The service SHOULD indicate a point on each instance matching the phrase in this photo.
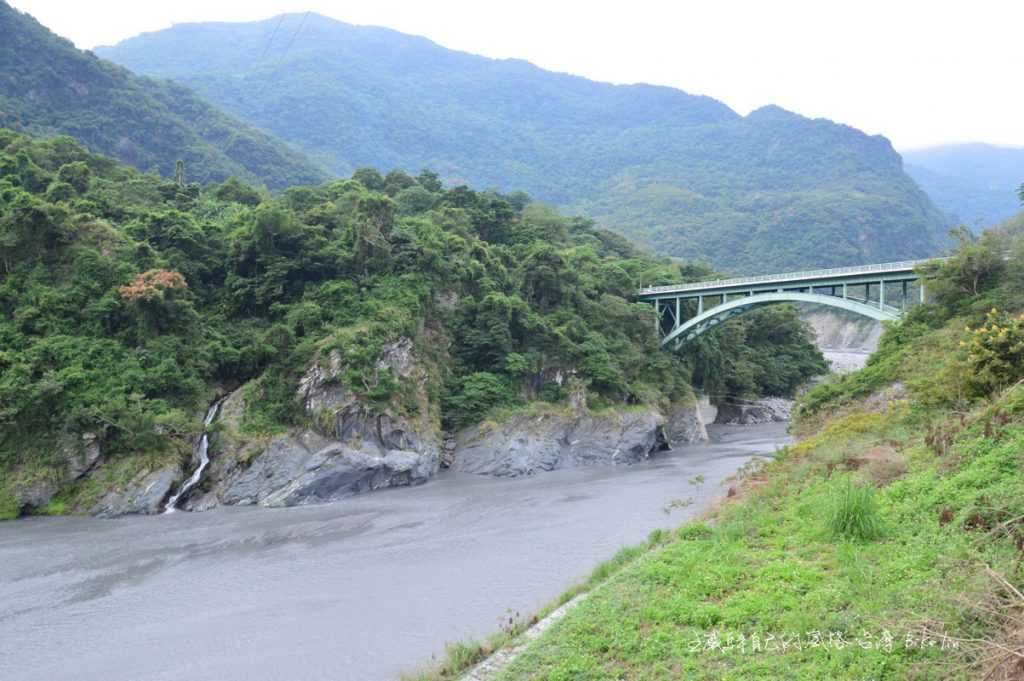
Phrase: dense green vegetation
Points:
(129, 301)
(48, 87)
(681, 174)
(885, 544)
(764, 352)
(976, 182)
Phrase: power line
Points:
(234, 135)
(296, 34)
(266, 48)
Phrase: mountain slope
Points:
(975, 182)
(681, 173)
(48, 87)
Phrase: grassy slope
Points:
(949, 493)
(771, 566)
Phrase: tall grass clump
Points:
(854, 513)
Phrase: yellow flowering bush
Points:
(995, 351)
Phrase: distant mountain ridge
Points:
(975, 182)
(683, 174)
(49, 87)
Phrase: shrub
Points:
(477, 394)
(9, 506)
(855, 513)
(995, 352)
(693, 531)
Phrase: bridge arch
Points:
(716, 315)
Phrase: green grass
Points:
(9, 506)
(790, 560)
(855, 513)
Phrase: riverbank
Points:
(884, 545)
(363, 590)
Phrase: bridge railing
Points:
(880, 268)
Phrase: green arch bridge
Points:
(882, 292)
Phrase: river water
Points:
(365, 588)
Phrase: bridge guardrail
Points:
(789, 276)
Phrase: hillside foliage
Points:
(130, 301)
(682, 174)
(48, 87)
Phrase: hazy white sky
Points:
(920, 72)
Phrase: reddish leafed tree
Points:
(151, 285)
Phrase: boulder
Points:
(685, 425)
(37, 493)
(145, 494)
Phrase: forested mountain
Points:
(683, 174)
(48, 87)
(127, 302)
(977, 183)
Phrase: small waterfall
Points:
(202, 451)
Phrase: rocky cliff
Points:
(534, 442)
(846, 340)
(765, 410)
(349, 446)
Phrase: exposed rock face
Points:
(304, 467)
(81, 453)
(353, 448)
(685, 425)
(765, 410)
(528, 444)
(845, 339)
(145, 494)
(37, 493)
(843, 331)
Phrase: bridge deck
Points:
(807, 278)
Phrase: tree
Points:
(369, 178)
(235, 191)
(159, 298)
(430, 181)
(414, 200)
(475, 395)
(396, 181)
(542, 275)
(76, 174)
(975, 266)
(371, 226)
